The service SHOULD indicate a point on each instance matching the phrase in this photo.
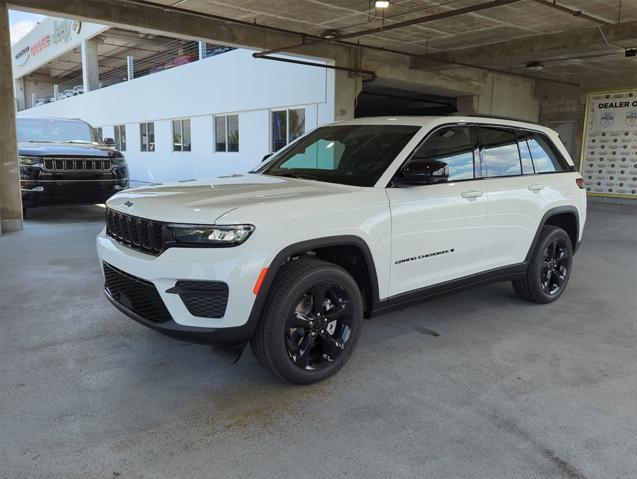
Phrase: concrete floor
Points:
(508, 389)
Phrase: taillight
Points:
(580, 183)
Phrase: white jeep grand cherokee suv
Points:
(351, 220)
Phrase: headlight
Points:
(29, 160)
(209, 235)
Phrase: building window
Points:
(120, 137)
(286, 125)
(181, 135)
(147, 136)
(227, 133)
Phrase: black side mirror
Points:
(422, 171)
(266, 157)
(109, 142)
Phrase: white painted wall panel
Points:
(232, 82)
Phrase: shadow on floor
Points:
(65, 214)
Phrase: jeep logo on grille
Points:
(128, 203)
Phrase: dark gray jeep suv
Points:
(63, 161)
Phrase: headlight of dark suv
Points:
(30, 161)
(119, 160)
(211, 235)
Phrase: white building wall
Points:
(230, 83)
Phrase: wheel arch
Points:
(566, 217)
(350, 252)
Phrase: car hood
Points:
(204, 201)
(66, 149)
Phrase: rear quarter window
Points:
(546, 158)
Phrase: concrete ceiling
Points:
(442, 38)
(563, 35)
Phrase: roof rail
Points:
(495, 117)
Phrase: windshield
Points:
(349, 154)
(55, 131)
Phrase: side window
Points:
(181, 135)
(525, 153)
(147, 136)
(451, 145)
(227, 133)
(500, 151)
(286, 126)
(120, 137)
(545, 158)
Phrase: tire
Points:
(302, 338)
(549, 269)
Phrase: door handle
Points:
(471, 194)
(536, 188)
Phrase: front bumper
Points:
(222, 336)
(65, 192)
(231, 266)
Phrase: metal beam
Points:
(355, 71)
(393, 26)
(536, 47)
(573, 11)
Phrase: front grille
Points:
(137, 233)
(76, 164)
(205, 299)
(136, 295)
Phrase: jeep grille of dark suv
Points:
(76, 164)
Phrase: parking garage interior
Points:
(478, 384)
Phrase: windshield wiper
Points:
(302, 176)
(84, 142)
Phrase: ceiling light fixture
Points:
(381, 3)
(534, 66)
(330, 34)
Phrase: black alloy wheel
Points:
(319, 327)
(311, 323)
(549, 267)
(555, 266)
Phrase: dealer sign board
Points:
(609, 145)
(49, 39)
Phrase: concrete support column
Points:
(506, 96)
(130, 67)
(20, 97)
(10, 198)
(202, 50)
(468, 104)
(90, 65)
(347, 87)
